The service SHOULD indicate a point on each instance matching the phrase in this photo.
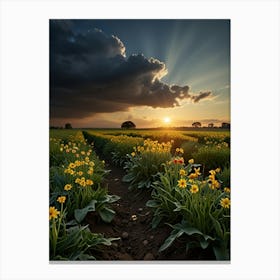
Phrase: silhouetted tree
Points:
(225, 125)
(68, 126)
(128, 124)
(196, 124)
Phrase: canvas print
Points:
(139, 140)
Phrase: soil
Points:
(132, 224)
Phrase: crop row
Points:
(192, 203)
(76, 177)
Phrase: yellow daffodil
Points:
(182, 172)
(67, 187)
(133, 154)
(61, 199)
(196, 170)
(225, 202)
(53, 213)
(212, 172)
(72, 165)
(191, 161)
(227, 190)
(193, 176)
(89, 182)
(194, 189)
(217, 170)
(182, 183)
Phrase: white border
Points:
(255, 138)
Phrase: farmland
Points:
(137, 194)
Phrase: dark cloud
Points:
(89, 73)
(201, 95)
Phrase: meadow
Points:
(138, 194)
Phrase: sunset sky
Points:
(152, 72)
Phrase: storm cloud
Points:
(90, 73)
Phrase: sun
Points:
(166, 120)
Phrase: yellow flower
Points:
(182, 183)
(216, 184)
(193, 176)
(133, 154)
(218, 170)
(80, 173)
(181, 151)
(72, 165)
(227, 190)
(212, 172)
(225, 202)
(67, 187)
(191, 161)
(90, 172)
(89, 182)
(182, 172)
(91, 163)
(83, 183)
(177, 150)
(53, 213)
(194, 189)
(196, 170)
(61, 199)
(83, 152)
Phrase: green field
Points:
(183, 174)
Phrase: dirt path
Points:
(132, 223)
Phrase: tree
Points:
(225, 125)
(210, 125)
(196, 124)
(128, 124)
(68, 126)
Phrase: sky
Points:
(155, 73)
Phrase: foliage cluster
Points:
(76, 175)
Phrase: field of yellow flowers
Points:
(183, 175)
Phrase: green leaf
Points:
(204, 244)
(221, 253)
(80, 214)
(128, 178)
(191, 244)
(85, 257)
(174, 234)
(152, 203)
(112, 198)
(106, 214)
(156, 220)
(190, 230)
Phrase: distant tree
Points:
(225, 125)
(210, 125)
(196, 124)
(128, 124)
(68, 126)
